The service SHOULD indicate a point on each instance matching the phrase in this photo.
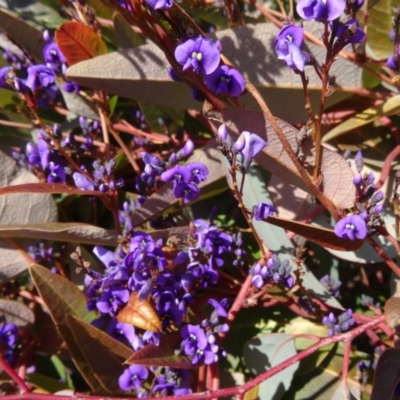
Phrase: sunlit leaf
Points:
(140, 313)
(265, 352)
(142, 73)
(52, 188)
(24, 35)
(389, 107)
(163, 354)
(78, 42)
(378, 27)
(73, 232)
(23, 208)
(392, 313)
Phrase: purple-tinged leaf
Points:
(163, 354)
(336, 173)
(387, 375)
(103, 353)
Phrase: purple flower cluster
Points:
(331, 285)
(103, 178)
(185, 178)
(368, 205)
(9, 336)
(340, 324)
(170, 281)
(274, 272)
(203, 57)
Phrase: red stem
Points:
(232, 391)
(14, 376)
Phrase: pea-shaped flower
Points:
(351, 227)
(200, 54)
(320, 10)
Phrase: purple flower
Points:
(199, 172)
(82, 182)
(262, 211)
(178, 174)
(320, 10)
(349, 32)
(133, 377)
(111, 300)
(189, 192)
(186, 150)
(196, 344)
(287, 47)
(53, 56)
(248, 145)
(200, 54)
(4, 74)
(56, 174)
(226, 81)
(39, 76)
(352, 226)
(160, 4)
(391, 63)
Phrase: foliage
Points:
(199, 199)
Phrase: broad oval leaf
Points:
(162, 355)
(342, 392)
(78, 42)
(16, 313)
(336, 173)
(140, 313)
(62, 298)
(103, 353)
(265, 352)
(72, 232)
(24, 208)
(24, 35)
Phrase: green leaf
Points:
(62, 298)
(266, 351)
(73, 232)
(104, 354)
(62, 370)
(389, 107)
(378, 28)
(127, 38)
(153, 114)
(112, 104)
(163, 354)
